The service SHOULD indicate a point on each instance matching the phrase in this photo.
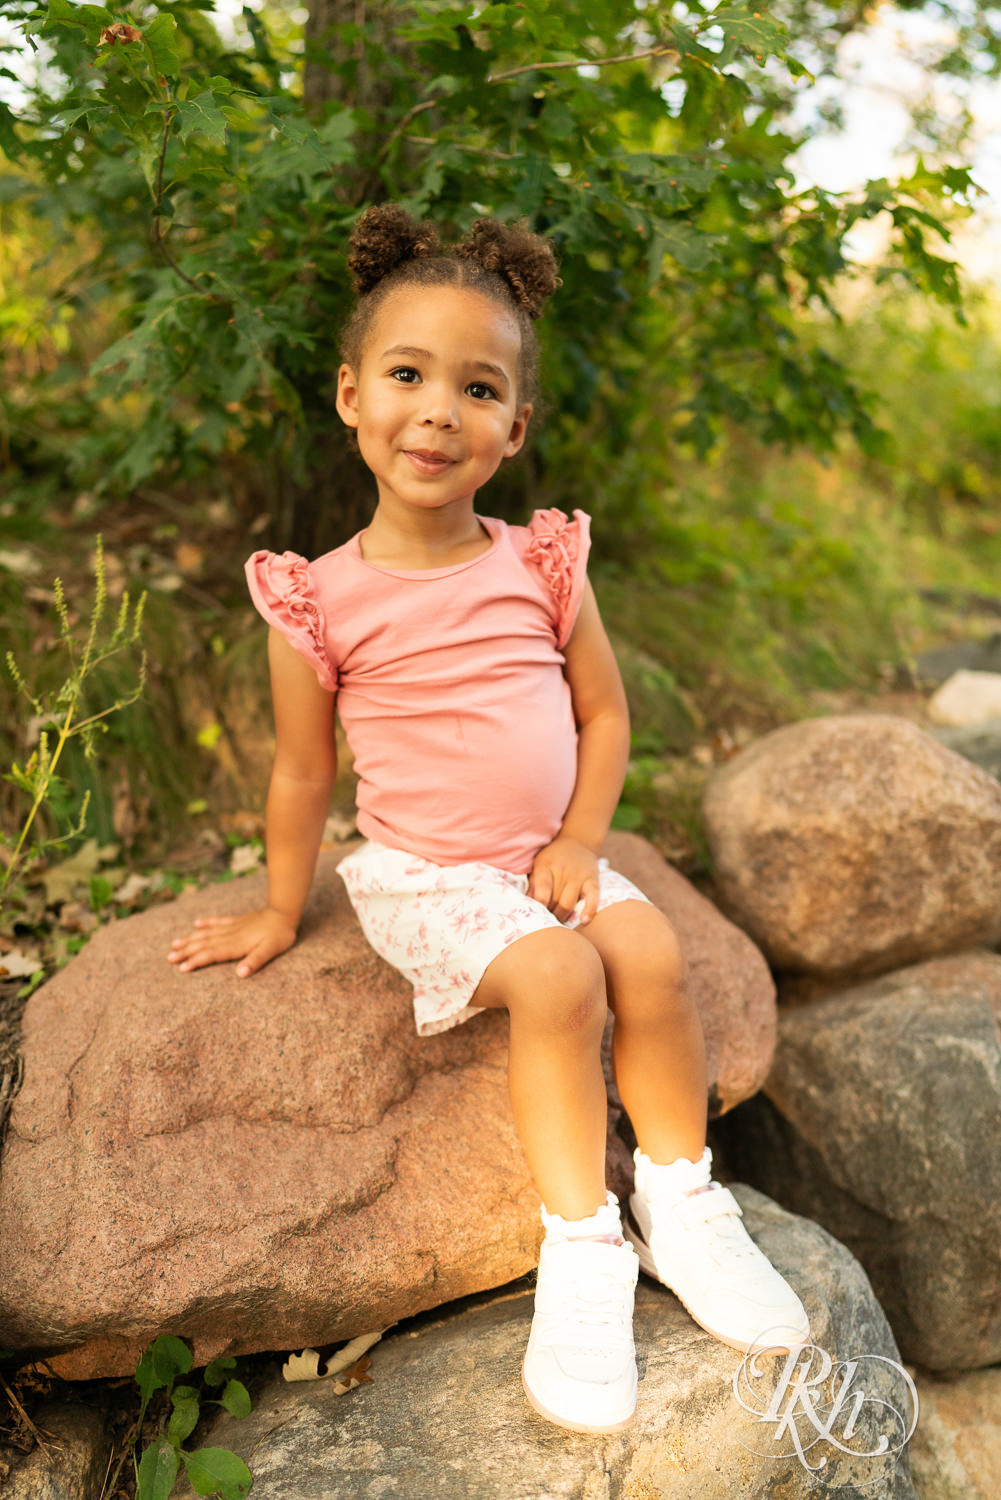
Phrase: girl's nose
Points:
(440, 408)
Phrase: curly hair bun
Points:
(524, 260)
(385, 237)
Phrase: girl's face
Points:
(435, 400)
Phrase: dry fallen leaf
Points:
(724, 744)
(17, 965)
(21, 564)
(76, 916)
(62, 880)
(245, 857)
(344, 1364)
(354, 1375)
(189, 557)
(131, 888)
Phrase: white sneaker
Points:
(697, 1246)
(580, 1366)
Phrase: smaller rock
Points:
(74, 1461)
(956, 1448)
(980, 743)
(854, 844)
(967, 698)
(972, 656)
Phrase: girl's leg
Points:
(580, 1365)
(686, 1228)
(553, 986)
(658, 1047)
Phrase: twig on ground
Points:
(129, 1441)
(45, 1446)
(10, 1082)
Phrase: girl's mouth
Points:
(428, 463)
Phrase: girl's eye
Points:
(406, 375)
(481, 391)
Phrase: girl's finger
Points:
(209, 950)
(182, 947)
(590, 901)
(540, 887)
(563, 890)
(259, 955)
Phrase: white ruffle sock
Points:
(605, 1224)
(676, 1179)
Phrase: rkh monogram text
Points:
(865, 1407)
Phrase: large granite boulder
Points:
(855, 844)
(281, 1161)
(956, 1449)
(881, 1119)
(444, 1416)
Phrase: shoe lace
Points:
(722, 1232)
(728, 1233)
(600, 1302)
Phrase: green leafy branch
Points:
(62, 709)
(143, 81)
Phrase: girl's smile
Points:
(429, 463)
(435, 400)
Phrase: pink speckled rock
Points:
(856, 844)
(281, 1161)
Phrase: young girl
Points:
(486, 715)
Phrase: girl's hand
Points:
(564, 871)
(257, 937)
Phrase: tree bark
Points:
(340, 72)
(337, 496)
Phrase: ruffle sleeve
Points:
(283, 593)
(556, 549)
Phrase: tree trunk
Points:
(338, 72)
(337, 496)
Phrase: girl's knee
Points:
(550, 981)
(666, 956)
(643, 947)
(645, 967)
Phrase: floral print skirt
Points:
(440, 925)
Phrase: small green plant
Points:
(210, 1471)
(61, 713)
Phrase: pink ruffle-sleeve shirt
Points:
(449, 684)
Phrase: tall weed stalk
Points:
(56, 718)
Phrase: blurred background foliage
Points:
(790, 463)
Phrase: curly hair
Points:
(507, 263)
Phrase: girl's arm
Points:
(567, 868)
(298, 803)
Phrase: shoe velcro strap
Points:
(702, 1207)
